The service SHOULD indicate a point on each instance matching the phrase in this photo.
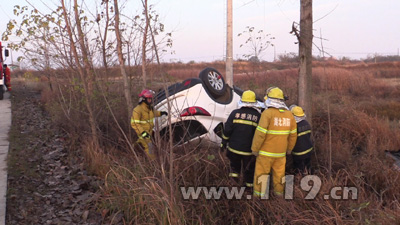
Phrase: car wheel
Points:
(213, 80)
(1, 92)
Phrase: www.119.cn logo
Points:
(311, 184)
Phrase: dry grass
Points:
(363, 109)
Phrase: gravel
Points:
(47, 181)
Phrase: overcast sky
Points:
(350, 28)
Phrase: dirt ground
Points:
(47, 181)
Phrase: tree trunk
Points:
(89, 73)
(305, 56)
(104, 41)
(82, 74)
(144, 43)
(127, 91)
(84, 50)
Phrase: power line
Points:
(244, 4)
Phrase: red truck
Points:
(5, 73)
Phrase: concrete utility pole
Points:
(305, 55)
(229, 48)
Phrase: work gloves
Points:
(145, 135)
(223, 146)
(164, 113)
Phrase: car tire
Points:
(213, 80)
(1, 92)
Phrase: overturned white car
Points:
(198, 107)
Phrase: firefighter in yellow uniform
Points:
(142, 120)
(274, 137)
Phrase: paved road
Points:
(5, 124)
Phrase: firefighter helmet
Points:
(146, 93)
(297, 111)
(275, 93)
(249, 96)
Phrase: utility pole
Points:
(305, 56)
(229, 48)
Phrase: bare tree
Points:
(305, 55)
(144, 41)
(82, 71)
(127, 91)
(134, 34)
(61, 39)
(103, 37)
(257, 41)
(84, 49)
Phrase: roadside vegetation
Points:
(91, 63)
(355, 118)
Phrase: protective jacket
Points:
(143, 118)
(239, 130)
(276, 133)
(304, 145)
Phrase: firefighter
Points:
(274, 137)
(238, 135)
(7, 78)
(142, 120)
(301, 153)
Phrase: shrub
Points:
(351, 136)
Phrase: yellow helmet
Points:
(249, 96)
(297, 111)
(275, 93)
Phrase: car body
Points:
(198, 107)
(4, 72)
(395, 155)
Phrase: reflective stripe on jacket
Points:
(239, 152)
(276, 133)
(143, 118)
(239, 129)
(303, 153)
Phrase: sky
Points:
(349, 28)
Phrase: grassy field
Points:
(355, 118)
